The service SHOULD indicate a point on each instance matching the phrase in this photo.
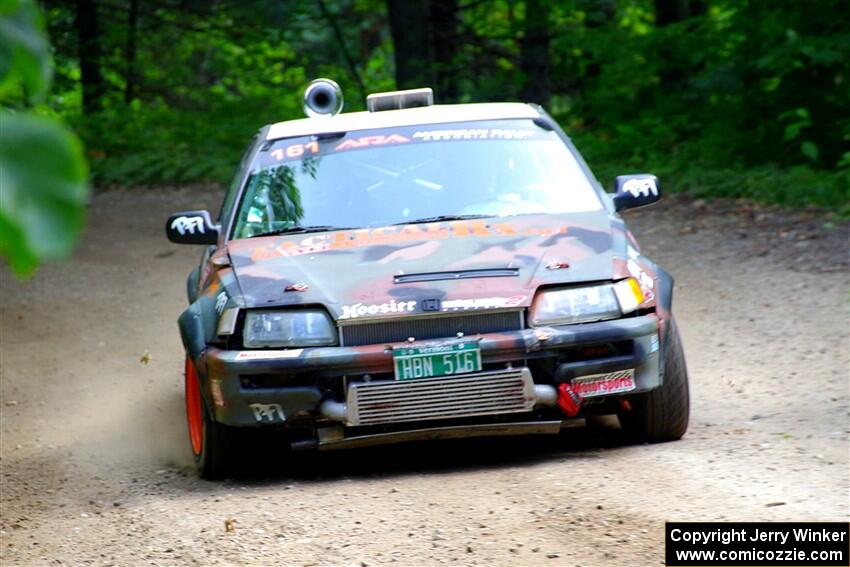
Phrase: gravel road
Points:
(95, 463)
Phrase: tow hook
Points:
(568, 400)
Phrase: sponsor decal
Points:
(364, 309)
(215, 388)
(186, 224)
(645, 281)
(343, 240)
(297, 287)
(557, 265)
(642, 277)
(267, 412)
(268, 354)
(220, 302)
(604, 384)
(473, 134)
(641, 187)
(359, 309)
(482, 303)
(377, 140)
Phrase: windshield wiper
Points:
(301, 230)
(442, 218)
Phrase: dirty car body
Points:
(441, 271)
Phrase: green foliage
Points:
(24, 56)
(44, 190)
(43, 186)
(736, 97)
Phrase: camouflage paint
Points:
(344, 268)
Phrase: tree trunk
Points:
(130, 55)
(670, 11)
(88, 51)
(535, 58)
(444, 41)
(697, 8)
(409, 28)
(599, 12)
(340, 39)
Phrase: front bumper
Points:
(286, 388)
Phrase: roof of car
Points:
(435, 114)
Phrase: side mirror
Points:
(636, 190)
(191, 227)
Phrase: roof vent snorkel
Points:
(396, 100)
(323, 97)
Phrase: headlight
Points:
(295, 328)
(585, 304)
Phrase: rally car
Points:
(421, 271)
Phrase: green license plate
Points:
(439, 360)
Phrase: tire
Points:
(213, 445)
(662, 414)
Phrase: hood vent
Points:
(458, 275)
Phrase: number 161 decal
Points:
(295, 150)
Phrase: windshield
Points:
(381, 177)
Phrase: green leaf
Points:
(44, 190)
(810, 150)
(24, 52)
(793, 130)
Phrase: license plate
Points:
(604, 384)
(438, 360)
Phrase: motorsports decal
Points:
(641, 187)
(189, 225)
(474, 134)
(343, 240)
(482, 303)
(604, 384)
(268, 412)
(361, 310)
(308, 147)
(268, 354)
(220, 302)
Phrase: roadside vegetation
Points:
(733, 98)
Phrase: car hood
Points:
(446, 266)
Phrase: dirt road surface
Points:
(96, 469)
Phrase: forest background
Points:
(731, 98)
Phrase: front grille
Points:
(421, 328)
(486, 393)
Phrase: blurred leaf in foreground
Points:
(43, 190)
(43, 175)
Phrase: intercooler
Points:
(486, 393)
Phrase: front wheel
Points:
(213, 444)
(663, 413)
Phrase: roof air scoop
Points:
(323, 97)
(396, 100)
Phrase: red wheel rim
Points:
(194, 408)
